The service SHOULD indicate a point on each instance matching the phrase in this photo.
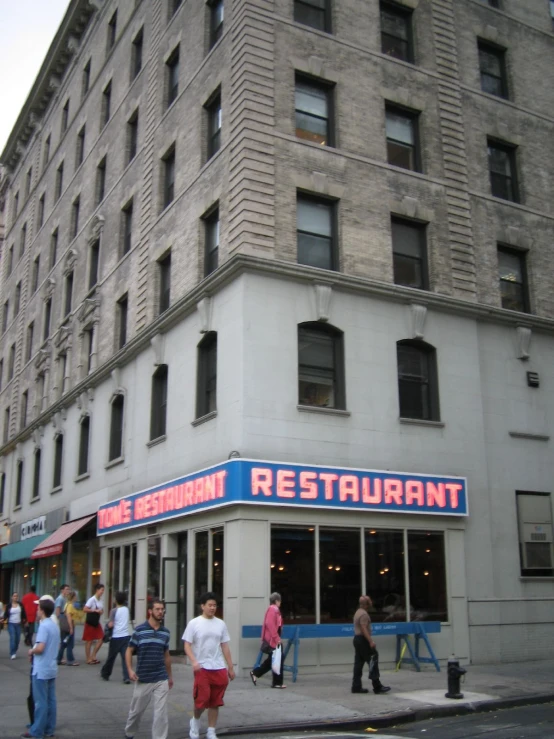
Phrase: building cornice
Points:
(242, 264)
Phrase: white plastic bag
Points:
(276, 660)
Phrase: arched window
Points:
(116, 427)
(206, 379)
(320, 366)
(158, 410)
(417, 380)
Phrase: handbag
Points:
(92, 619)
(276, 660)
(64, 623)
(108, 633)
(265, 647)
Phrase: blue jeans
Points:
(70, 643)
(44, 696)
(14, 631)
(117, 646)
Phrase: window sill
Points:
(203, 419)
(17, 508)
(153, 442)
(57, 489)
(82, 477)
(540, 578)
(422, 422)
(318, 409)
(34, 500)
(114, 462)
(525, 435)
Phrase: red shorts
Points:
(209, 688)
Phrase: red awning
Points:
(54, 543)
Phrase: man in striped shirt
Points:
(150, 642)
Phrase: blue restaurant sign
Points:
(246, 481)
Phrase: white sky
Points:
(27, 28)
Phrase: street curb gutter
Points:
(394, 719)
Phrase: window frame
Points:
(19, 484)
(65, 117)
(83, 460)
(85, 79)
(164, 283)
(75, 212)
(214, 114)
(94, 264)
(326, 87)
(413, 116)
(105, 112)
(57, 471)
(29, 340)
(433, 397)
(206, 375)
(80, 146)
(326, 15)
(499, 52)
(406, 14)
(333, 205)
(510, 150)
(58, 188)
(158, 404)
(117, 421)
(172, 66)
(41, 209)
(127, 227)
(111, 35)
(339, 371)
(534, 572)
(35, 277)
(122, 318)
(37, 456)
(521, 255)
(216, 28)
(132, 136)
(169, 177)
(47, 320)
(212, 225)
(421, 228)
(100, 183)
(137, 49)
(69, 283)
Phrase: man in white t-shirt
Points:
(207, 647)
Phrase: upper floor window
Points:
(316, 232)
(58, 459)
(24, 408)
(23, 240)
(402, 138)
(320, 366)
(121, 320)
(132, 136)
(158, 411)
(417, 380)
(216, 21)
(17, 299)
(85, 80)
(5, 315)
(69, 279)
(19, 484)
(15, 206)
(29, 341)
(211, 258)
(164, 266)
(136, 54)
(28, 183)
(36, 474)
(492, 3)
(106, 105)
(11, 363)
(112, 32)
(84, 444)
(41, 206)
(313, 110)
(409, 254)
(502, 171)
(206, 381)
(168, 168)
(174, 6)
(213, 111)
(35, 275)
(6, 434)
(59, 182)
(94, 264)
(54, 248)
(396, 32)
(536, 533)
(127, 228)
(116, 427)
(512, 275)
(9, 263)
(1, 373)
(47, 319)
(492, 68)
(46, 153)
(75, 210)
(65, 116)
(80, 147)
(101, 180)
(172, 77)
(2, 492)
(314, 13)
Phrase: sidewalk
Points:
(88, 707)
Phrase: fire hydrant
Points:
(454, 672)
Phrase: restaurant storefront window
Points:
(339, 573)
(427, 576)
(154, 569)
(385, 580)
(293, 572)
(208, 566)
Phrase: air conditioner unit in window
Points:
(537, 546)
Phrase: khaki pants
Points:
(142, 694)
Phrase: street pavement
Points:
(89, 707)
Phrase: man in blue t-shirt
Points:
(45, 670)
(150, 642)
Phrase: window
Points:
(68, 293)
(19, 483)
(409, 252)
(65, 116)
(36, 475)
(313, 13)
(211, 258)
(206, 380)
(132, 136)
(59, 183)
(492, 3)
(80, 148)
(121, 318)
(58, 458)
(417, 380)
(9, 266)
(340, 567)
(172, 77)
(427, 573)
(293, 572)
(36, 274)
(136, 54)
(2, 492)
(385, 575)
(94, 264)
(89, 348)
(47, 319)
(64, 379)
(213, 110)
(5, 315)
(492, 68)
(164, 266)
(320, 366)
(101, 181)
(216, 21)
(17, 299)
(40, 219)
(158, 411)
(6, 425)
(316, 232)
(116, 428)
(11, 362)
(534, 516)
(396, 32)
(28, 183)
(174, 6)
(106, 105)
(1, 372)
(46, 155)
(313, 110)
(15, 206)
(84, 441)
(23, 240)
(513, 280)
(502, 171)
(29, 341)
(85, 80)
(402, 138)
(168, 166)
(53, 248)
(24, 407)
(126, 228)
(112, 32)
(75, 208)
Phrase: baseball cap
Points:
(44, 597)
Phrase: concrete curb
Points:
(393, 719)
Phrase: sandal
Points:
(279, 687)
(95, 662)
(62, 662)
(253, 677)
(73, 664)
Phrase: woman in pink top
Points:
(271, 638)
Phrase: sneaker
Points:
(211, 734)
(194, 729)
(360, 690)
(13, 656)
